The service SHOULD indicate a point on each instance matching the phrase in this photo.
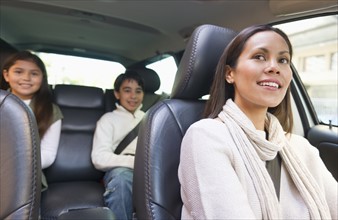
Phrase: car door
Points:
(314, 87)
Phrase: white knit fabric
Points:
(110, 131)
(236, 121)
(223, 176)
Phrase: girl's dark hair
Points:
(221, 90)
(128, 75)
(42, 99)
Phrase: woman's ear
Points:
(229, 75)
(117, 95)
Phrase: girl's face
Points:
(24, 79)
(130, 95)
(263, 72)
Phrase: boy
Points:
(110, 131)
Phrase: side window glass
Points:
(63, 69)
(315, 57)
(166, 69)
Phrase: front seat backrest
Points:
(156, 189)
(20, 163)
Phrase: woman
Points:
(242, 162)
(24, 74)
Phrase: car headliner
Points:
(131, 31)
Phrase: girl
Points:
(24, 74)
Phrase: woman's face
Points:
(263, 72)
(130, 95)
(24, 79)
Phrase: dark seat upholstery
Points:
(151, 85)
(6, 50)
(156, 189)
(73, 182)
(101, 213)
(20, 164)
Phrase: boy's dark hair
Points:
(128, 75)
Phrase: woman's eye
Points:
(259, 57)
(284, 60)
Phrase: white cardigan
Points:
(110, 131)
(215, 183)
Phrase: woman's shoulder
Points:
(302, 147)
(207, 126)
(299, 141)
(202, 123)
(208, 132)
(310, 156)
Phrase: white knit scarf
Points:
(254, 149)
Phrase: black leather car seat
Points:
(6, 50)
(73, 182)
(156, 189)
(152, 83)
(20, 163)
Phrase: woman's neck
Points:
(257, 119)
(256, 115)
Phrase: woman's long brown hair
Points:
(221, 90)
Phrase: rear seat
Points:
(73, 182)
(151, 85)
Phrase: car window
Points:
(315, 58)
(64, 69)
(166, 69)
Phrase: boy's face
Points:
(130, 95)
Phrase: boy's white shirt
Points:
(110, 131)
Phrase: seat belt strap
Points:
(127, 139)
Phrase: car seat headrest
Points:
(152, 81)
(78, 96)
(198, 64)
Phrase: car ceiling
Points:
(131, 31)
